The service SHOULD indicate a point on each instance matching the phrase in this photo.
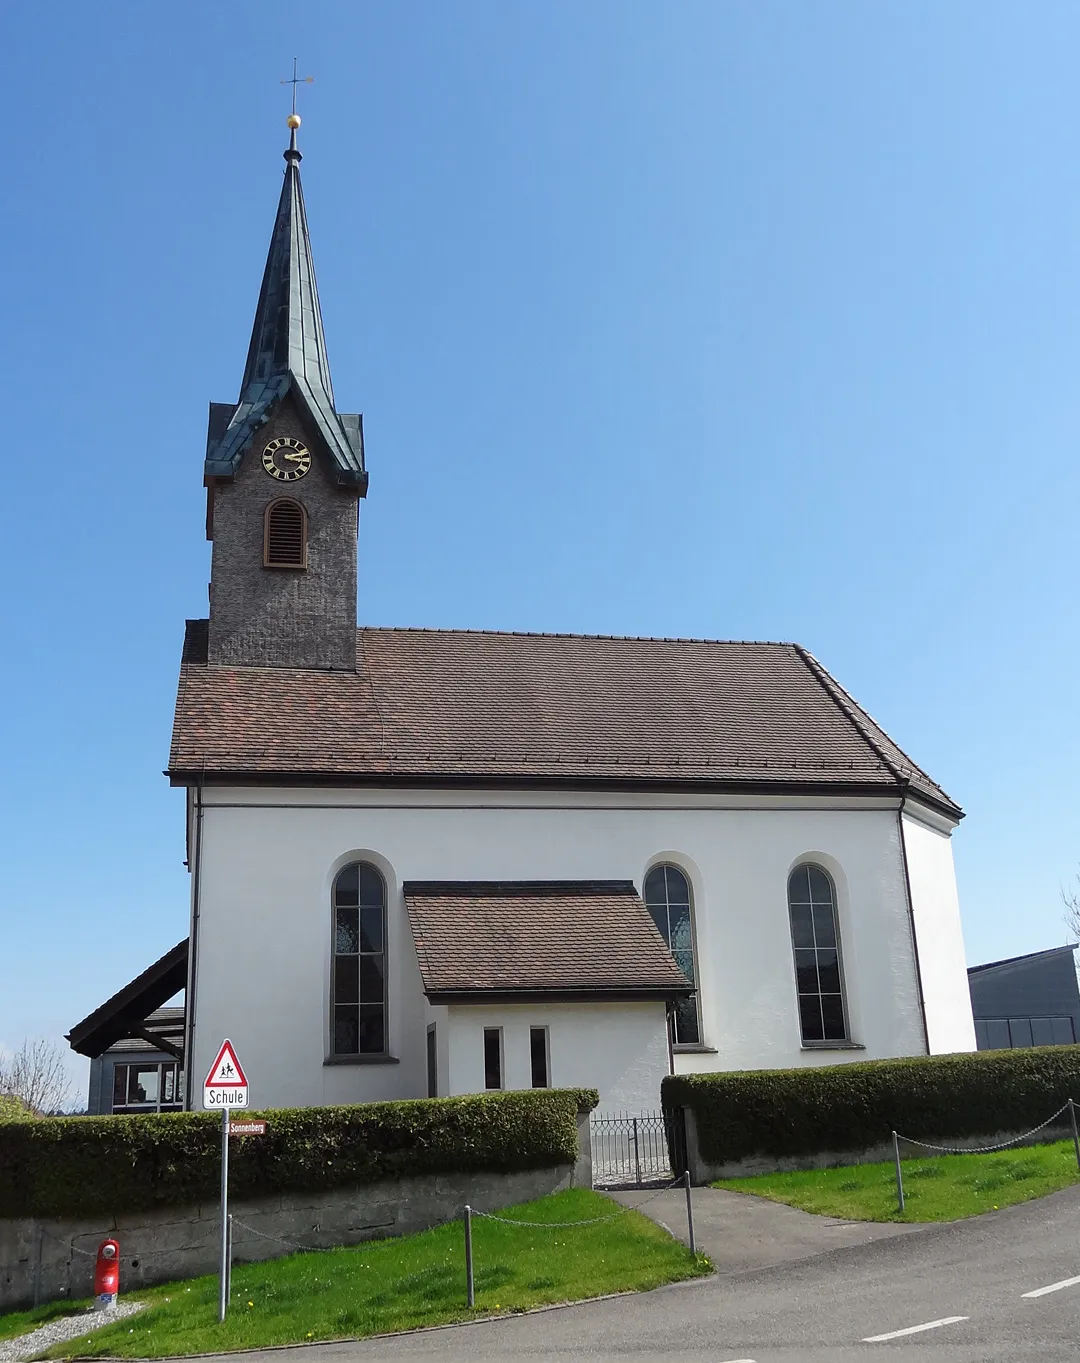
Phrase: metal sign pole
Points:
(223, 1295)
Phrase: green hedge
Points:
(13, 1109)
(74, 1166)
(856, 1106)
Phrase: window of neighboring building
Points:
(493, 1059)
(285, 535)
(358, 986)
(147, 1088)
(815, 937)
(667, 897)
(538, 1051)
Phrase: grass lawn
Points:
(402, 1283)
(945, 1188)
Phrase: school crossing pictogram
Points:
(226, 1085)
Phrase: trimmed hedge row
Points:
(857, 1106)
(74, 1166)
(13, 1109)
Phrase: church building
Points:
(444, 861)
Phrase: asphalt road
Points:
(819, 1309)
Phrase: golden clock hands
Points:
(296, 458)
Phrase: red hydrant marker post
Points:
(106, 1275)
(226, 1087)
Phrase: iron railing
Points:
(633, 1149)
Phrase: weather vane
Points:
(294, 118)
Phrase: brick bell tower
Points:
(284, 474)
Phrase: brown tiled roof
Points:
(490, 940)
(556, 708)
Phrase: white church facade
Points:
(450, 861)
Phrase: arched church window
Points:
(667, 897)
(285, 535)
(358, 984)
(815, 937)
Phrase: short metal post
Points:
(1076, 1138)
(899, 1174)
(637, 1156)
(223, 1286)
(689, 1213)
(228, 1263)
(471, 1287)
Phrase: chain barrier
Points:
(984, 1149)
(139, 1254)
(593, 1221)
(296, 1247)
(289, 1244)
(1068, 1106)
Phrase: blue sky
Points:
(755, 320)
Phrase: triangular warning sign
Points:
(226, 1072)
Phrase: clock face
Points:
(286, 459)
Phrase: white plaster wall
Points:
(269, 858)
(942, 961)
(619, 1048)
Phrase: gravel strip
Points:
(67, 1327)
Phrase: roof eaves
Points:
(615, 994)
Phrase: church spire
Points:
(287, 351)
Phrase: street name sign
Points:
(226, 1085)
(247, 1128)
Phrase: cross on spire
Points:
(296, 80)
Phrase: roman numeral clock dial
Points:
(286, 459)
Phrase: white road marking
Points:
(914, 1329)
(1054, 1287)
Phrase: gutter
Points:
(193, 947)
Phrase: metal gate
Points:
(633, 1149)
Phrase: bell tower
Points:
(284, 475)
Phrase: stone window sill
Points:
(695, 1050)
(361, 1060)
(833, 1046)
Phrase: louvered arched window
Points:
(285, 535)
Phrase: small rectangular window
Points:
(432, 1063)
(493, 1058)
(538, 1046)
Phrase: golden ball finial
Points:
(293, 121)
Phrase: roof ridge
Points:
(572, 634)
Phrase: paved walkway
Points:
(740, 1233)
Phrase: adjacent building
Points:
(1028, 1000)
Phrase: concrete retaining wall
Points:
(701, 1171)
(42, 1260)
